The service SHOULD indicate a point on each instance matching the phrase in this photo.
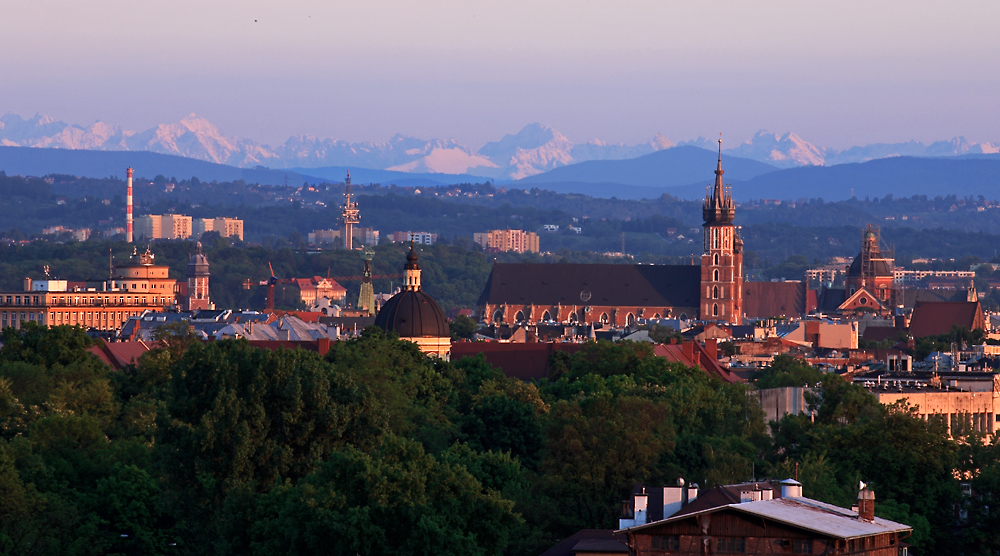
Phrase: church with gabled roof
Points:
(617, 295)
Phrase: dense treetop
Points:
(222, 448)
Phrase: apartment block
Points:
(226, 227)
(363, 236)
(423, 238)
(518, 241)
(163, 226)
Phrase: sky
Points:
(836, 73)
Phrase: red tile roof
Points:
(693, 354)
(118, 355)
(932, 319)
(516, 360)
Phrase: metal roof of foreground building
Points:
(803, 513)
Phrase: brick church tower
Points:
(722, 260)
(197, 281)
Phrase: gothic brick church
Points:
(617, 295)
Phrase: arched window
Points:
(683, 316)
(715, 275)
(604, 318)
(546, 316)
(519, 317)
(715, 309)
(630, 319)
(715, 292)
(715, 233)
(715, 259)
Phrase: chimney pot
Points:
(790, 488)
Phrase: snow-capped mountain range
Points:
(533, 150)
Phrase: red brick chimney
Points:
(687, 348)
(323, 346)
(866, 505)
(712, 348)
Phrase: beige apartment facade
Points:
(225, 226)
(163, 226)
(518, 241)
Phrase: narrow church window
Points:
(715, 260)
(630, 319)
(715, 292)
(715, 309)
(715, 275)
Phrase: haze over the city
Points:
(837, 74)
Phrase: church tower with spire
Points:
(722, 259)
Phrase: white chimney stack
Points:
(128, 208)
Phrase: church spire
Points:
(719, 192)
(718, 207)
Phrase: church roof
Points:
(881, 266)
(593, 284)
(762, 300)
(932, 319)
(413, 314)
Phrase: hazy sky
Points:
(836, 73)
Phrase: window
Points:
(730, 545)
(715, 275)
(800, 546)
(604, 318)
(715, 309)
(546, 316)
(671, 542)
(519, 317)
(715, 259)
(715, 292)
(630, 319)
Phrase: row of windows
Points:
(573, 317)
(55, 318)
(729, 545)
(86, 300)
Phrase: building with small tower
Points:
(197, 281)
(870, 279)
(416, 316)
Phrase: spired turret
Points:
(366, 299)
(718, 207)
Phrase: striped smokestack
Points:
(128, 209)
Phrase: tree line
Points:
(224, 448)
